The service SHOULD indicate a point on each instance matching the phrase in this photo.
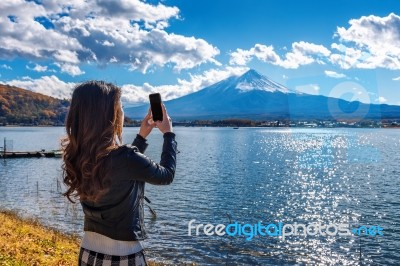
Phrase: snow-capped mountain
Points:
(252, 80)
(254, 96)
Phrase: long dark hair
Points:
(93, 124)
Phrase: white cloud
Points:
(369, 42)
(48, 85)
(334, 74)
(302, 53)
(66, 56)
(130, 32)
(157, 48)
(136, 10)
(4, 66)
(396, 79)
(108, 43)
(381, 99)
(260, 51)
(24, 36)
(37, 68)
(309, 89)
(346, 57)
(376, 43)
(70, 69)
(307, 48)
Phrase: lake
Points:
(245, 175)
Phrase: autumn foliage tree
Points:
(19, 106)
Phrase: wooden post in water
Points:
(4, 148)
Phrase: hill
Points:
(24, 107)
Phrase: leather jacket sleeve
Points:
(140, 143)
(145, 169)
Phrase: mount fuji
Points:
(254, 96)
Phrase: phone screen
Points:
(155, 103)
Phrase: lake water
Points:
(247, 175)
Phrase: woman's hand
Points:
(147, 125)
(165, 125)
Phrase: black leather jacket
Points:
(119, 214)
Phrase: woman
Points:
(109, 178)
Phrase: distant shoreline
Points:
(243, 122)
(230, 126)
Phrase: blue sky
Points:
(347, 49)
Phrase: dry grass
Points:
(26, 242)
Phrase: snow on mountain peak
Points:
(252, 80)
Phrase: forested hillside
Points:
(24, 107)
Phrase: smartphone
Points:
(155, 103)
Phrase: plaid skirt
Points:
(92, 258)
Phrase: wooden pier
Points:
(5, 152)
(30, 154)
